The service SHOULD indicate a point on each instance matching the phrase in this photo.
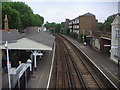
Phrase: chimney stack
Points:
(6, 23)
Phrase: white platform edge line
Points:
(93, 64)
(48, 83)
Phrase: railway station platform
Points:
(39, 78)
(103, 62)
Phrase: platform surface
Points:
(103, 62)
(40, 77)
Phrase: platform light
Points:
(8, 66)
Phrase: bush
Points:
(81, 37)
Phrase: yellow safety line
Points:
(110, 73)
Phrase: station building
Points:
(21, 49)
(33, 30)
(115, 40)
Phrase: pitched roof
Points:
(6, 35)
(42, 37)
(26, 44)
(116, 21)
(88, 14)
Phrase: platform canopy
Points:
(37, 41)
(26, 44)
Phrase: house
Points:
(33, 30)
(9, 35)
(42, 29)
(86, 22)
(115, 40)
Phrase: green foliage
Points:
(56, 26)
(107, 23)
(13, 15)
(67, 31)
(20, 15)
(50, 25)
(37, 20)
(81, 37)
(100, 26)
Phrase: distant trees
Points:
(20, 15)
(107, 23)
(57, 27)
(100, 26)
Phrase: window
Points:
(117, 33)
(78, 21)
(77, 26)
(116, 53)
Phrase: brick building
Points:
(86, 22)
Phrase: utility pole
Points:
(8, 66)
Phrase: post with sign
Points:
(35, 54)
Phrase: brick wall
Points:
(88, 23)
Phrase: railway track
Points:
(71, 70)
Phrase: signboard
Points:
(107, 45)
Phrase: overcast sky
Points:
(59, 10)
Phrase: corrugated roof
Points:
(10, 35)
(43, 37)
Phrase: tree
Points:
(13, 16)
(37, 20)
(50, 25)
(58, 28)
(20, 15)
(25, 13)
(100, 26)
(108, 22)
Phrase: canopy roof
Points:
(26, 44)
(42, 37)
(8, 35)
(38, 41)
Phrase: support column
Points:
(35, 65)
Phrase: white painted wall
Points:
(115, 41)
(96, 43)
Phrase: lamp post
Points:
(8, 66)
(90, 37)
(83, 37)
